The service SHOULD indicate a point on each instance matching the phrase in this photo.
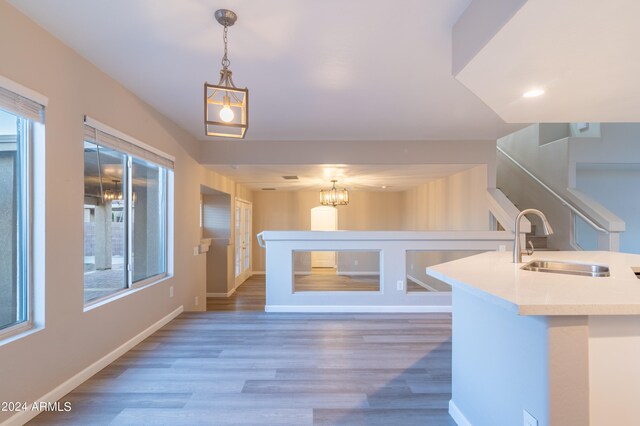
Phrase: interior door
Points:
(243, 241)
(324, 218)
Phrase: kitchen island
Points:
(563, 348)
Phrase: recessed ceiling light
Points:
(384, 186)
(268, 189)
(533, 93)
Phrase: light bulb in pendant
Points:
(226, 113)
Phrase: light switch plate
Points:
(400, 285)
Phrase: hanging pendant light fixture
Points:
(334, 197)
(226, 108)
(114, 194)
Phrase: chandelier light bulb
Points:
(226, 114)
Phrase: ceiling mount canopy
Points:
(334, 196)
(226, 108)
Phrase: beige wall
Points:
(72, 339)
(454, 203)
(217, 224)
(291, 210)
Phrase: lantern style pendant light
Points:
(334, 197)
(226, 108)
(114, 194)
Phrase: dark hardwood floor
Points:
(237, 365)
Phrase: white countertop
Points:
(494, 277)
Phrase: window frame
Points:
(130, 266)
(24, 245)
(129, 285)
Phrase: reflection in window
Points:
(104, 221)
(125, 219)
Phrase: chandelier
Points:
(226, 111)
(114, 194)
(334, 197)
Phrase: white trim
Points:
(227, 294)
(457, 415)
(23, 91)
(357, 308)
(114, 132)
(358, 273)
(420, 283)
(383, 236)
(16, 331)
(23, 417)
(218, 294)
(125, 291)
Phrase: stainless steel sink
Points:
(571, 268)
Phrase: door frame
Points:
(324, 256)
(245, 239)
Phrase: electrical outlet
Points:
(171, 291)
(196, 250)
(196, 301)
(502, 247)
(400, 285)
(528, 419)
(355, 262)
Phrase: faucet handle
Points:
(530, 250)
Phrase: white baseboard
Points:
(457, 415)
(227, 294)
(347, 273)
(356, 309)
(23, 417)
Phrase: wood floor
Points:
(332, 282)
(240, 366)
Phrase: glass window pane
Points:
(13, 282)
(104, 221)
(148, 220)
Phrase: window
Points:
(17, 117)
(125, 213)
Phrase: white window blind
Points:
(19, 105)
(103, 135)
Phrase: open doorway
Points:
(324, 218)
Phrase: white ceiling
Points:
(316, 70)
(353, 177)
(583, 53)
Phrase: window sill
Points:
(136, 287)
(18, 332)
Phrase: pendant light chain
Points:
(225, 38)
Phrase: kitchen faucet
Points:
(517, 253)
